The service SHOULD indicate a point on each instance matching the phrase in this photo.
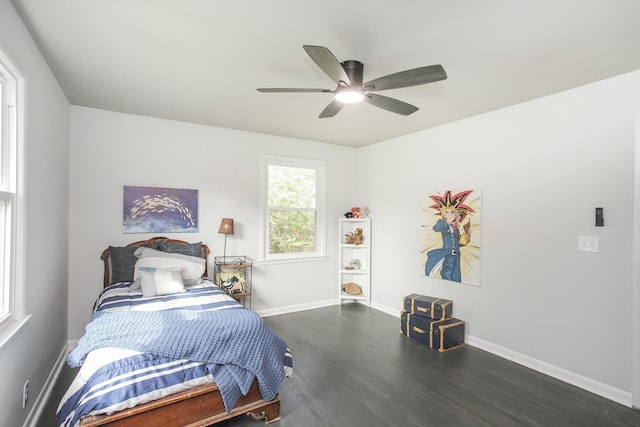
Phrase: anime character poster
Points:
(160, 210)
(452, 236)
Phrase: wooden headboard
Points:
(150, 243)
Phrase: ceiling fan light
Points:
(349, 96)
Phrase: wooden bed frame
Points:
(199, 406)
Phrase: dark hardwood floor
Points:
(353, 368)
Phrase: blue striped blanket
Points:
(236, 345)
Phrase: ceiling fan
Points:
(349, 74)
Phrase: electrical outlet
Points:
(25, 393)
(588, 243)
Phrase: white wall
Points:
(32, 354)
(110, 150)
(543, 167)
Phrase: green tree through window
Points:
(293, 213)
(292, 216)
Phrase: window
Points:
(294, 220)
(11, 289)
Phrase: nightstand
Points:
(233, 275)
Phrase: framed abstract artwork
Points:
(452, 237)
(160, 210)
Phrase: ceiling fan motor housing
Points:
(354, 70)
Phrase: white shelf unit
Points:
(349, 252)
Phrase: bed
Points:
(143, 359)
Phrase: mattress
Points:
(112, 379)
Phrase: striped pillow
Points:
(161, 281)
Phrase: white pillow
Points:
(161, 281)
(192, 267)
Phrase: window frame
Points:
(320, 208)
(13, 313)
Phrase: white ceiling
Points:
(201, 60)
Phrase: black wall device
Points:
(599, 217)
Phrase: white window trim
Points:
(321, 228)
(18, 315)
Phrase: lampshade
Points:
(226, 226)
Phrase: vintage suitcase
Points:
(447, 334)
(416, 327)
(436, 308)
(438, 334)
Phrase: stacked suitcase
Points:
(429, 321)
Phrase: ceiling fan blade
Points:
(390, 104)
(327, 63)
(332, 109)
(414, 77)
(285, 89)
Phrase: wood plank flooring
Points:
(353, 368)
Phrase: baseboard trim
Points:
(386, 309)
(298, 307)
(47, 389)
(588, 384)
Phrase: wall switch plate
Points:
(588, 243)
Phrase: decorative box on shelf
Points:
(233, 274)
